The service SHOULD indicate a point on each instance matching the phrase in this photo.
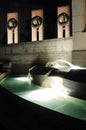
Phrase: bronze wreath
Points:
(12, 23)
(63, 19)
(36, 21)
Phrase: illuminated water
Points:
(47, 96)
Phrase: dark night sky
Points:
(28, 3)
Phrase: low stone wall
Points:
(24, 55)
(75, 89)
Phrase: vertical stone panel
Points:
(10, 31)
(35, 13)
(61, 29)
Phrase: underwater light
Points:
(22, 78)
(49, 90)
(45, 94)
(41, 95)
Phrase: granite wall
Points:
(23, 55)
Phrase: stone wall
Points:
(79, 24)
(23, 55)
(79, 32)
(79, 57)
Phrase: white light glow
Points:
(22, 78)
(63, 65)
(29, 77)
(49, 91)
(56, 85)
